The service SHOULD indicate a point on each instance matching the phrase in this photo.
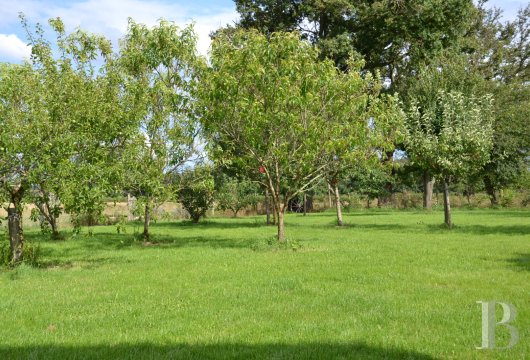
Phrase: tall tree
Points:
(393, 36)
(451, 138)
(160, 64)
(43, 106)
(500, 51)
(20, 126)
(449, 71)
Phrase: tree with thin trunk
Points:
(264, 99)
(374, 123)
(159, 67)
(450, 139)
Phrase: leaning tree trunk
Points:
(147, 220)
(338, 204)
(428, 185)
(447, 206)
(55, 228)
(16, 235)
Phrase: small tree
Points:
(196, 191)
(452, 138)
(20, 119)
(236, 195)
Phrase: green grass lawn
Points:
(388, 285)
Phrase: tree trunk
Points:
(274, 212)
(368, 203)
(16, 235)
(428, 185)
(338, 204)
(267, 206)
(447, 206)
(55, 230)
(490, 190)
(45, 211)
(305, 204)
(281, 225)
(147, 220)
(329, 197)
(130, 205)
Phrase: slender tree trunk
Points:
(52, 220)
(45, 211)
(338, 204)
(267, 206)
(447, 206)
(281, 226)
(275, 211)
(14, 224)
(147, 220)
(16, 235)
(130, 205)
(490, 190)
(55, 229)
(329, 197)
(368, 203)
(305, 202)
(428, 185)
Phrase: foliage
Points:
(235, 195)
(391, 36)
(370, 181)
(196, 191)
(453, 137)
(500, 52)
(159, 66)
(269, 103)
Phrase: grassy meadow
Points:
(389, 285)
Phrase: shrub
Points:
(236, 195)
(196, 190)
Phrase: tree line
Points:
(296, 94)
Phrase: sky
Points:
(109, 17)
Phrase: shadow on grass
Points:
(227, 223)
(499, 213)
(520, 261)
(497, 229)
(357, 350)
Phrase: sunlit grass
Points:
(388, 285)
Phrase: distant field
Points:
(391, 284)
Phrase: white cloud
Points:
(110, 17)
(14, 48)
(206, 24)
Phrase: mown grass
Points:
(388, 285)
